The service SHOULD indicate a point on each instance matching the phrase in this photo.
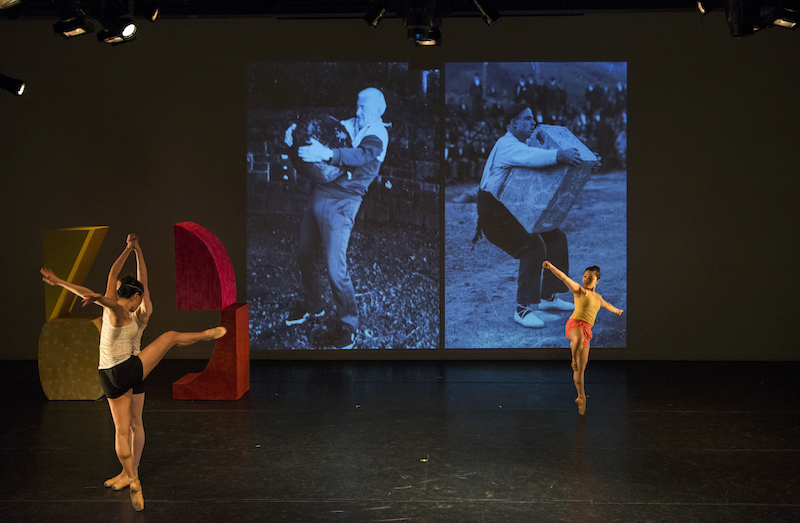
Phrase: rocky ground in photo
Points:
(481, 284)
(395, 271)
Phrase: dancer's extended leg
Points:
(155, 352)
(127, 411)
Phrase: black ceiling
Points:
(356, 9)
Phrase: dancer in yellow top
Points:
(579, 325)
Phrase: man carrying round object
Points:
(331, 212)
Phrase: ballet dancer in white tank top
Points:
(123, 365)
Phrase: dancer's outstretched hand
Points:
(546, 264)
(91, 298)
(49, 277)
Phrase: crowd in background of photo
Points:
(476, 119)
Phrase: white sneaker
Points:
(525, 317)
(556, 305)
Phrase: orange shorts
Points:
(585, 327)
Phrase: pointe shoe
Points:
(137, 499)
(581, 405)
(216, 333)
(117, 483)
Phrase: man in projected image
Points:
(501, 228)
(331, 212)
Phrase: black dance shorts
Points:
(123, 377)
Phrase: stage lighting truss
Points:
(12, 85)
(745, 17)
(73, 20)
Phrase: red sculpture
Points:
(205, 280)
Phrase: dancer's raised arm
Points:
(116, 268)
(49, 277)
(571, 285)
(118, 315)
(146, 308)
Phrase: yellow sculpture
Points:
(68, 342)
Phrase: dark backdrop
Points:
(150, 133)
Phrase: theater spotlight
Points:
(423, 22)
(375, 15)
(785, 17)
(6, 4)
(12, 85)
(743, 16)
(118, 22)
(426, 36)
(704, 6)
(73, 20)
(149, 10)
(489, 15)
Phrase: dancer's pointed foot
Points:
(137, 499)
(581, 405)
(107, 483)
(118, 482)
(215, 333)
(574, 364)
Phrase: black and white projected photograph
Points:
(535, 166)
(343, 206)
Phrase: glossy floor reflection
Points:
(421, 442)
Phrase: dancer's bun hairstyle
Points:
(129, 286)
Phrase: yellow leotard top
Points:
(586, 308)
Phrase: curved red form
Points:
(204, 278)
(227, 374)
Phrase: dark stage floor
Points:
(422, 442)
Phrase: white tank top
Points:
(117, 344)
